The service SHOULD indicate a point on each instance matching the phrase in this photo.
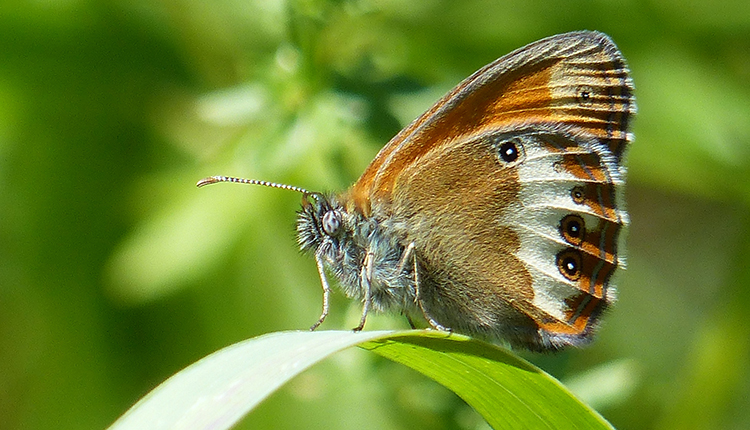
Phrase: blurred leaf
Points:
(608, 384)
(692, 132)
(158, 257)
(217, 391)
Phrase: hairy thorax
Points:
(344, 241)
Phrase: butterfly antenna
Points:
(215, 179)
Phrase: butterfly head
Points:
(321, 223)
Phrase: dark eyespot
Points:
(569, 264)
(331, 223)
(577, 195)
(509, 152)
(585, 95)
(572, 229)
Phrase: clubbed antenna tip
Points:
(215, 179)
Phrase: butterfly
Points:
(499, 212)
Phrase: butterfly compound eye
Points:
(331, 223)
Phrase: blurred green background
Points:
(116, 272)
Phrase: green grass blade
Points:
(507, 391)
(217, 391)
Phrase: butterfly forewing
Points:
(576, 78)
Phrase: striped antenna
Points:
(215, 179)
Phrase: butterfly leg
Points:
(366, 280)
(326, 293)
(409, 253)
(411, 323)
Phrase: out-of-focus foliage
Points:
(115, 271)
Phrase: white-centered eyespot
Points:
(572, 229)
(509, 150)
(569, 264)
(585, 95)
(578, 196)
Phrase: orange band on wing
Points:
(581, 309)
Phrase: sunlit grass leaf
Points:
(220, 389)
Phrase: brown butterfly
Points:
(499, 212)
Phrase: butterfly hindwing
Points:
(518, 248)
